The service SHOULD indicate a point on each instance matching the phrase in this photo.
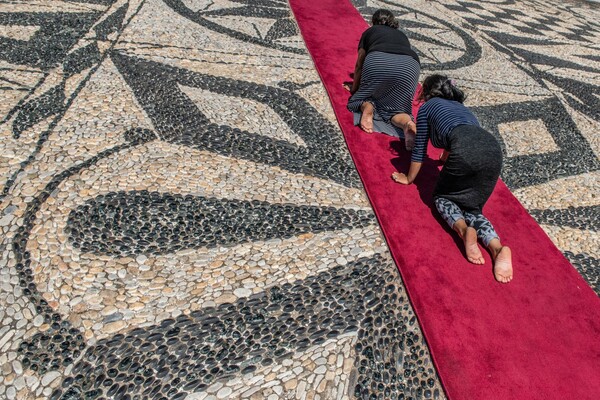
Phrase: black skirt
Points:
(472, 169)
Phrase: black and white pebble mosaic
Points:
(574, 155)
(585, 218)
(364, 299)
(178, 120)
(57, 33)
(37, 109)
(277, 10)
(112, 23)
(61, 343)
(187, 354)
(536, 27)
(50, 50)
(131, 223)
(588, 267)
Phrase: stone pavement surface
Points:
(180, 217)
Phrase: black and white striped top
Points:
(435, 120)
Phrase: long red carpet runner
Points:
(535, 338)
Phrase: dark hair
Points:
(441, 86)
(384, 17)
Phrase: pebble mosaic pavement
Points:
(180, 217)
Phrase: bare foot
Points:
(366, 119)
(471, 248)
(503, 271)
(405, 122)
(410, 128)
(410, 132)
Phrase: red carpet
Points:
(535, 338)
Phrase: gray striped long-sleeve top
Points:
(435, 120)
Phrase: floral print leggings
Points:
(452, 213)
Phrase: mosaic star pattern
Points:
(180, 216)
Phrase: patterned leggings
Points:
(452, 213)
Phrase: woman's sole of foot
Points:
(366, 121)
(503, 271)
(410, 132)
(472, 248)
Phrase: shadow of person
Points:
(425, 183)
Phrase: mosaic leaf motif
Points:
(81, 59)
(131, 223)
(586, 217)
(58, 33)
(43, 357)
(270, 9)
(112, 23)
(178, 120)
(539, 24)
(38, 109)
(219, 343)
(573, 157)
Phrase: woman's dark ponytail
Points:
(438, 85)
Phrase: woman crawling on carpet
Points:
(385, 76)
(473, 160)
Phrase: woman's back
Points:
(386, 39)
(435, 120)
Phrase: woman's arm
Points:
(399, 177)
(360, 59)
(415, 167)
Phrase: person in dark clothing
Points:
(385, 76)
(473, 160)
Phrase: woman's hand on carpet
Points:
(401, 178)
(348, 86)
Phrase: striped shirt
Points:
(389, 82)
(435, 120)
